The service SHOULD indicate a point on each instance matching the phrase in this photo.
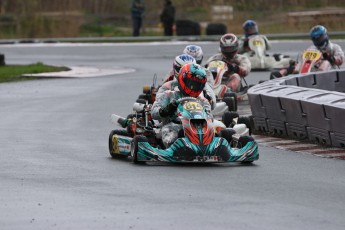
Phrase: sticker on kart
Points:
(192, 105)
(311, 55)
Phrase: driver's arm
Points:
(338, 55)
(160, 104)
(245, 66)
(268, 44)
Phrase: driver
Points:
(179, 61)
(191, 82)
(250, 28)
(332, 54)
(170, 81)
(239, 65)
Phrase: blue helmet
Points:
(250, 28)
(180, 61)
(194, 51)
(319, 36)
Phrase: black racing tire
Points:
(228, 117)
(243, 140)
(231, 102)
(216, 29)
(141, 101)
(121, 132)
(131, 116)
(247, 121)
(187, 27)
(227, 134)
(134, 148)
(143, 96)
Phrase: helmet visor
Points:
(251, 30)
(193, 87)
(199, 60)
(176, 69)
(321, 41)
(229, 51)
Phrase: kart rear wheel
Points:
(247, 122)
(231, 101)
(227, 134)
(143, 96)
(135, 148)
(243, 140)
(111, 144)
(141, 101)
(228, 118)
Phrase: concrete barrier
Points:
(307, 106)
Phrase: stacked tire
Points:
(2, 59)
(187, 27)
(216, 29)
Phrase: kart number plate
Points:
(192, 105)
(217, 64)
(257, 43)
(311, 55)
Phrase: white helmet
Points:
(194, 51)
(180, 61)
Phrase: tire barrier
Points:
(309, 106)
(216, 29)
(2, 59)
(187, 27)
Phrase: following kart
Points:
(260, 59)
(310, 60)
(223, 93)
(197, 142)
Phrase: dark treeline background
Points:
(71, 18)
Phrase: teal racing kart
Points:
(199, 140)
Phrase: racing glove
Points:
(168, 110)
(291, 67)
(233, 68)
(328, 57)
(275, 74)
(208, 97)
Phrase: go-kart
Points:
(198, 140)
(260, 59)
(223, 93)
(309, 61)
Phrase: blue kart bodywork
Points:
(219, 150)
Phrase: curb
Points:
(82, 72)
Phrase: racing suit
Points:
(243, 46)
(170, 130)
(238, 67)
(170, 83)
(333, 56)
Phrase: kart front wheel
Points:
(227, 134)
(231, 101)
(135, 148)
(228, 118)
(247, 121)
(113, 147)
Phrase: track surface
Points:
(56, 172)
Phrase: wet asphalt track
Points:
(56, 172)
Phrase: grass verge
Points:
(14, 72)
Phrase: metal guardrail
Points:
(310, 106)
(151, 38)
